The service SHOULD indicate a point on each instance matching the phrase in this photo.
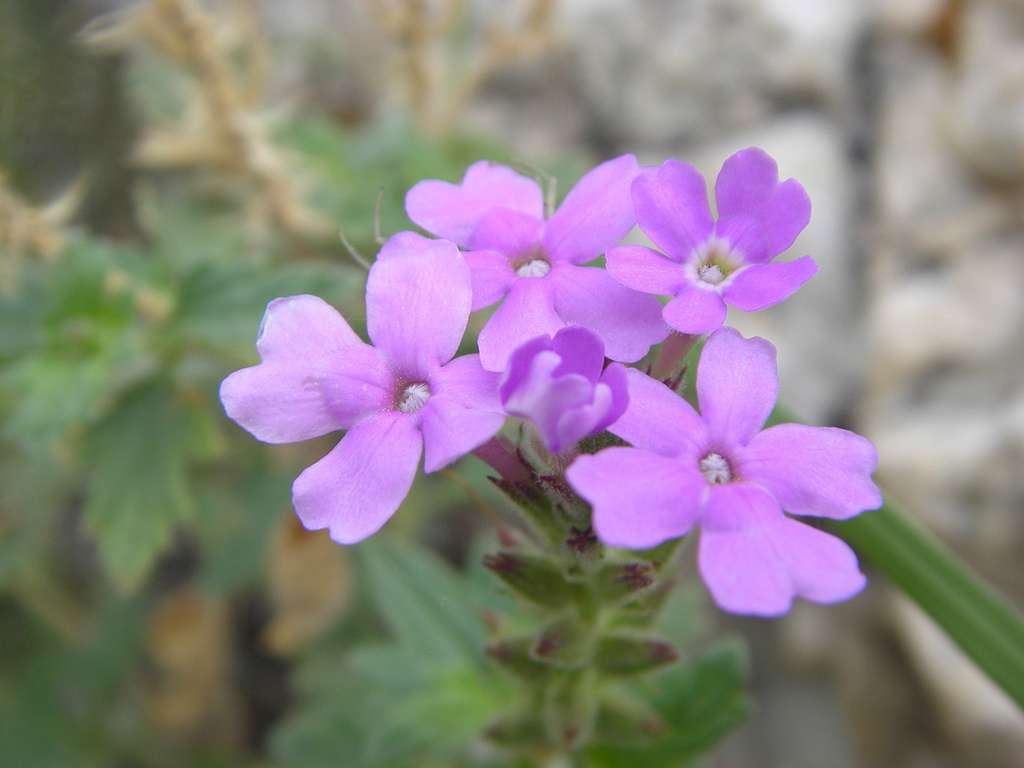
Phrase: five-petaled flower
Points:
(497, 216)
(707, 264)
(560, 384)
(396, 398)
(721, 471)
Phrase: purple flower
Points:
(719, 469)
(707, 264)
(558, 384)
(396, 398)
(497, 216)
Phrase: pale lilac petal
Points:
(695, 310)
(316, 376)
(672, 207)
(463, 412)
(466, 381)
(737, 385)
(527, 312)
(417, 307)
(819, 471)
(491, 277)
(509, 232)
(451, 429)
(784, 216)
(581, 352)
(355, 488)
(746, 181)
(643, 269)
(520, 365)
(659, 420)
(754, 560)
(748, 190)
(640, 499)
(628, 322)
(404, 242)
(453, 211)
(759, 286)
(595, 215)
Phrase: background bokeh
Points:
(168, 169)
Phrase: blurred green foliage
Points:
(134, 517)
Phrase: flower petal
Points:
(672, 207)
(695, 310)
(643, 269)
(451, 429)
(595, 215)
(527, 312)
(640, 499)
(355, 488)
(754, 560)
(819, 471)
(491, 277)
(316, 377)
(762, 285)
(581, 352)
(417, 307)
(543, 398)
(746, 181)
(748, 189)
(404, 242)
(453, 211)
(626, 321)
(737, 385)
(509, 232)
(659, 420)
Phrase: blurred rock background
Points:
(904, 119)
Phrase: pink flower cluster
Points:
(552, 353)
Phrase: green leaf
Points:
(980, 621)
(700, 702)
(425, 603)
(139, 488)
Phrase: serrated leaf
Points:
(139, 489)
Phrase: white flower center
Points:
(716, 469)
(534, 268)
(413, 397)
(714, 261)
(710, 273)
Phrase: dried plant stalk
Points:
(224, 128)
(421, 38)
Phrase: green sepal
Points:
(538, 579)
(570, 708)
(564, 644)
(632, 654)
(514, 655)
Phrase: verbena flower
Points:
(707, 264)
(721, 471)
(400, 397)
(534, 265)
(558, 384)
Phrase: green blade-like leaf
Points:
(425, 603)
(979, 620)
